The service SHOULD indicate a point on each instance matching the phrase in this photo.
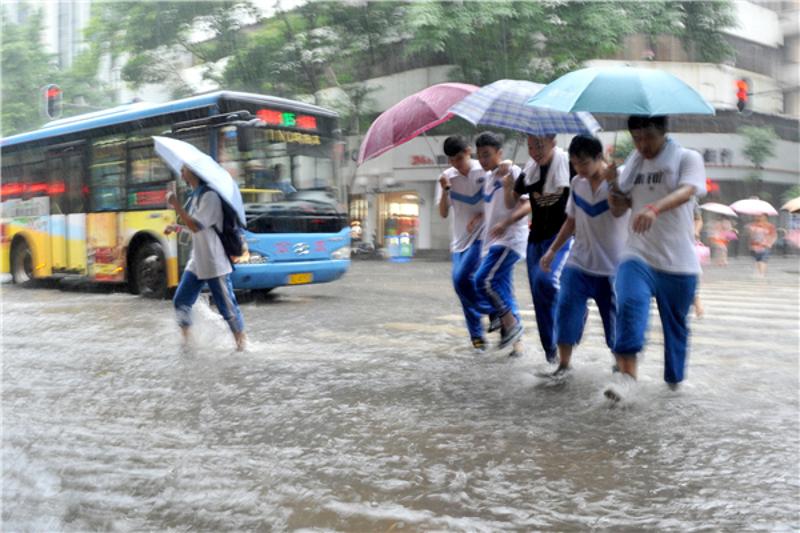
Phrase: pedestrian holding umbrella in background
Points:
(658, 182)
(762, 233)
(209, 264)
(762, 237)
(722, 231)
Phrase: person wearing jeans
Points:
(208, 264)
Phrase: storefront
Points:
(397, 213)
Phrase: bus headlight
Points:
(341, 253)
(254, 258)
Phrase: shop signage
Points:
(418, 160)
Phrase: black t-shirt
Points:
(547, 214)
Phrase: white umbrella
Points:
(720, 209)
(753, 206)
(792, 205)
(177, 154)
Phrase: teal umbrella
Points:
(622, 91)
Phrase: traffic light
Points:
(742, 94)
(52, 101)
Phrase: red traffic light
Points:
(742, 93)
(52, 101)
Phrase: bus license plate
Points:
(299, 279)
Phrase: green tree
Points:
(82, 90)
(152, 35)
(542, 40)
(623, 146)
(791, 194)
(759, 144)
(698, 25)
(703, 24)
(318, 46)
(26, 69)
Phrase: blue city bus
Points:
(85, 196)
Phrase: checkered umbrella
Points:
(502, 104)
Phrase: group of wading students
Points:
(586, 230)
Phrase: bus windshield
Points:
(279, 165)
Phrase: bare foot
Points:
(241, 341)
(518, 350)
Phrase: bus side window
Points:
(147, 182)
(75, 182)
(11, 178)
(34, 180)
(57, 186)
(106, 181)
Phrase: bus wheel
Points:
(21, 262)
(149, 271)
(263, 293)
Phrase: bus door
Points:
(67, 191)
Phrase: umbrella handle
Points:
(430, 146)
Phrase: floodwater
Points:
(359, 407)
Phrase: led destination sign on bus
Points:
(286, 119)
(295, 137)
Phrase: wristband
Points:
(447, 188)
(652, 208)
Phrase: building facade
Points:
(395, 193)
(398, 189)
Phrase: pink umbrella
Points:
(753, 206)
(720, 209)
(412, 116)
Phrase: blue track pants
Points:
(577, 287)
(544, 289)
(495, 280)
(465, 266)
(636, 282)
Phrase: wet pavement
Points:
(359, 406)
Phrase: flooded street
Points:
(360, 407)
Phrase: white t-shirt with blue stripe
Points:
(599, 236)
(516, 235)
(466, 201)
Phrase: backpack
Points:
(231, 236)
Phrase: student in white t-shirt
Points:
(657, 184)
(208, 264)
(460, 190)
(504, 241)
(599, 239)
